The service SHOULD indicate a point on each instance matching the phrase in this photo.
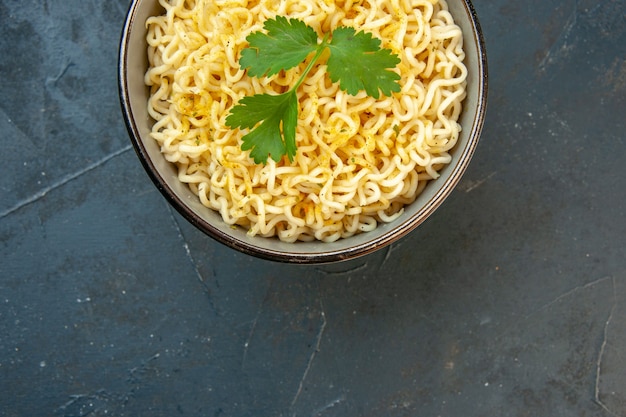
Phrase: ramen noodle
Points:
(359, 160)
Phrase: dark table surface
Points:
(509, 301)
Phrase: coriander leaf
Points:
(357, 63)
(285, 45)
(273, 112)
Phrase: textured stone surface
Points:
(509, 301)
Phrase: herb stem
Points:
(320, 50)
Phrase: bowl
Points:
(133, 65)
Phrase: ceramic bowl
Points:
(134, 95)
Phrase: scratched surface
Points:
(509, 301)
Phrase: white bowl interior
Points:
(134, 95)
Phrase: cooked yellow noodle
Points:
(359, 160)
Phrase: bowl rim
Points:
(320, 257)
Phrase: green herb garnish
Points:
(355, 61)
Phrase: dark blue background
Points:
(509, 301)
